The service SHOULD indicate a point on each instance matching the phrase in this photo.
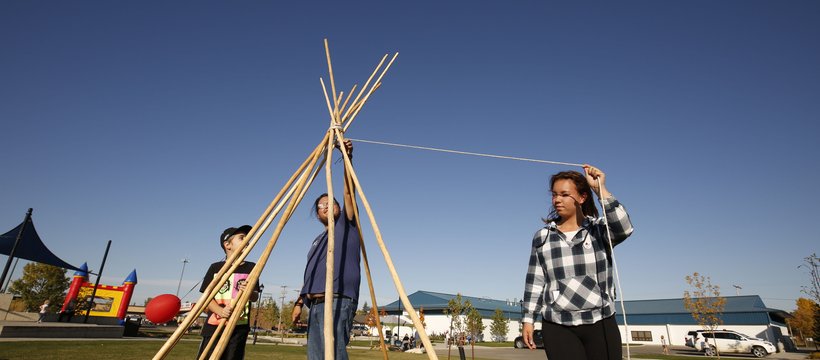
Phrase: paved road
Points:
(524, 354)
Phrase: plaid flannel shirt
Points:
(570, 283)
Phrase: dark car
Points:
(536, 337)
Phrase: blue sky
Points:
(158, 124)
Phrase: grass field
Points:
(145, 349)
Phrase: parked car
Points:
(360, 330)
(728, 341)
(536, 337)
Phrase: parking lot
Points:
(525, 354)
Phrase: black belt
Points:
(321, 300)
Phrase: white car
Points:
(728, 341)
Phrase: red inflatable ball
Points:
(162, 308)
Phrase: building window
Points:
(642, 336)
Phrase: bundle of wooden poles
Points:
(342, 114)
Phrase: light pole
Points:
(256, 318)
(184, 261)
(282, 310)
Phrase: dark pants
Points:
(598, 341)
(235, 350)
(68, 313)
(344, 309)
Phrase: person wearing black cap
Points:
(220, 307)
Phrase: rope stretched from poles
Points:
(606, 223)
(615, 267)
(467, 153)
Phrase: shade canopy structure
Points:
(30, 247)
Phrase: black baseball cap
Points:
(231, 231)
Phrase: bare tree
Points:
(705, 304)
(812, 264)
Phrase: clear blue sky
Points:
(159, 124)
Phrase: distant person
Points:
(416, 339)
(569, 279)
(405, 343)
(220, 306)
(70, 308)
(346, 273)
(664, 345)
(43, 311)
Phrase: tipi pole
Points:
(364, 88)
(217, 333)
(372, 89)
(366, 263)
(229, 267)
(330, 72)
(397, 282)
(328, 305)
(262, 260)
(257, 270)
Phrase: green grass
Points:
(145, 349)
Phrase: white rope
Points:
(467, 153)
(615, 267)
(606, 223)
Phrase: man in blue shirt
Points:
(346, 274)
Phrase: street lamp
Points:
(256, 318)
(282, 310)
(184, 261)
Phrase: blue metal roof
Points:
(739, 310)
(434, 302)
(747, 303)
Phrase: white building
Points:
(647, 319)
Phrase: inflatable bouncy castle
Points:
(109, 301)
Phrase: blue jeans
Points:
(343, 311)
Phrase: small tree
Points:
(500, 326)
(266, 313)
(365, 309)
(475, 326)
(705, 303)
(372, 320)
(802, 319)
(455, 309)
(40, 282)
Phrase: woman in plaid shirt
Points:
(569, 279)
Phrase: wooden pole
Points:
(212, 341)
(257, 270)
(227, 269)
(356, 100)
(331, 220)
(341, 108)
(366, 263)
(330, 71)
(431, 354)
(372, 89)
